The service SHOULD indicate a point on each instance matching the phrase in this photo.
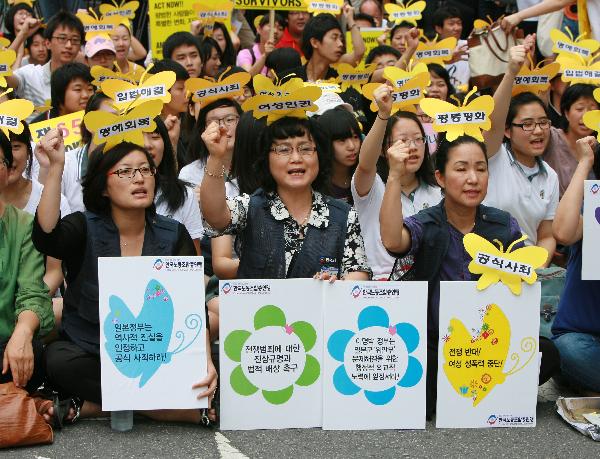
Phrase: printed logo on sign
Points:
(355, 291)
(183, 265)
(226, 288)
(504, 420)
(595, 188)
(158, 264)
(492, 419)
(251, 288)
(376, 292)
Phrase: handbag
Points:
(20, 421)
(546, 23)
(489, 53)
(553, 282)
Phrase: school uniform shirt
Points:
(34, 84)
(193, 174)
(368, 207)
(73, 171)
(36, 195)
(188, 213)
(459, 71)
(530, 195)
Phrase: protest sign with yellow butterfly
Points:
(568, 46)
(535, 78)
(13, 112)
(205, 91)
(125, 9)
(404, 96)
(353, 77)
(94, 25)
(434, 51)
(101, 74)
(7, 59)
(410, 12)
(592, 118)
(324, 6)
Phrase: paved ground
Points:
(552, 438)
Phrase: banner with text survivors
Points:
(375, 355)
(590, 265)
(152, 332)
(487, 356)
(167, 17)
(270, 334)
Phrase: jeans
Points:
(580, 359)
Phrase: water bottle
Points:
(121, 421)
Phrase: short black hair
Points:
(382, 50)
(65, 19)
(365, 17)
(6, 148)
(169, 64)
(61, 78)
(444, 147)
(575, 92)
(283, 59)
(264, 20)
(443, 13)
(285, 128)
(96, 177)
(317, 27)
(25, 138)
(524, 98)
(177, 39)
(401, 25)
(441, 72)
(29, 40)
(9, 20)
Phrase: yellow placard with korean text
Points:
(68, 124)
(277, 5)
(167, 17)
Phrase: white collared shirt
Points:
(34, 84)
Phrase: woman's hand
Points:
(173, 125)
(459, 53)
(397, 156)
(510, 22)
(215, 139)
(210, 382)
(18, 356)
(413, 39)
(348, 12)
(52, 147)
(383, 99)
(269, 47)
(325, 276)
(584, 150)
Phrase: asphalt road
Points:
(552, 438)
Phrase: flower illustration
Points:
(377, 358)
(274, 357)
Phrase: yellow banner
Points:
(167, 17)
(68, 124)
(369, 36)
(278, 5)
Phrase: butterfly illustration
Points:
(125, 9)
(510, 267)
(405, 97)
(398, 77)
(12, 114)
(490, 346)
(577, 69)
(470, 118)
(94, 25)
(434, 51)
(568, 45)
(7, 59)
(264, 85)
(205, 91)
(150, 87)
(129, 126)
(294, 104)
(411, 12)
(592, 118)
(535, 78)
(355, 77)
(324, 6)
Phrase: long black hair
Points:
(245, 152)
(339, 124)
(228, 55)
(173, 190)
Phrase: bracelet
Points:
(207, 172)
(353, 26)
(382, 119)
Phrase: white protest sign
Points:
(270, 353)
(375, 355)
(152, 332)
(488, 356)
(590, 264)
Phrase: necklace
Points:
(456, 226)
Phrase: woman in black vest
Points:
(289, 227)
(118, 193)
(434, 236)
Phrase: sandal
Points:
(62, 409)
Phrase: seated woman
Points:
(576, 328)
(462, 173)
(25, 306)
(288, 226)
(118, 193)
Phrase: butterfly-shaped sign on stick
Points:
(206, 90)
(94, 25)
(13, 113)
(592, 118)
(568, 46)
(434, 51)
(469, 118)
(324, 6)
(7, 59)
(150, 87)
(535, 78)
(411, 12)
(101, 74)
(125, 9)
(355, 77)
(510, 267)
(405, 95)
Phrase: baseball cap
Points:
(97, 44)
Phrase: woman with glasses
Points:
(368, 183)
(120, 220)
(289, 227)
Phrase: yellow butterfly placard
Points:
(535, 78)
(411, 12)
(353, 77)
(398, 77)
(7, 59)
(576, 69)
(294, 104)
(213, 11)
(510, 267)
(150, 87)
(205, 91)
(325, 6)
(4, 42)
(12, 114)
(404, 97)
(124, 9)
(474, 364)
(592, 118)
(435, 52)
(112, 128)
(92, 25)
(102, 74)
(566, 44)
(325, 85)
(16, 2)
(265, 86)
(469, 119)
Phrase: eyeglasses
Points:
(63, 39)
(129, 172)
(305, 149)
(230, 120)
(418, 142)
(531, 125)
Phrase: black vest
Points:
(80, 316)
(263, 244)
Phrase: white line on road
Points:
(225, 449)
